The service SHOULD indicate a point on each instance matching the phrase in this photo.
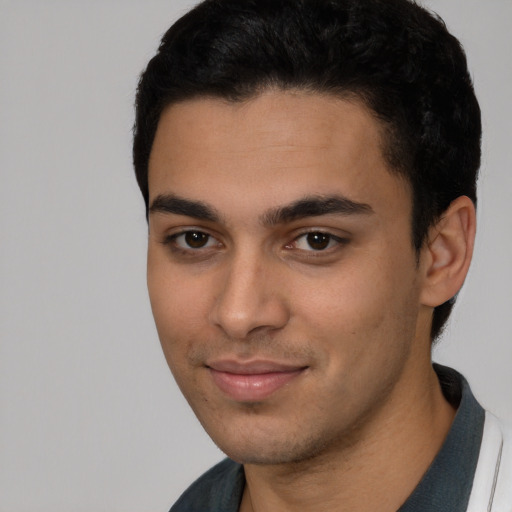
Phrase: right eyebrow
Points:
(170, 203)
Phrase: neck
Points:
(377, 469)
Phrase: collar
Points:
(446, 486)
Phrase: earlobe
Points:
(448, 252)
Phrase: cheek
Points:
(175, 320)
(177, 311)
(174, 296)
(364, 301)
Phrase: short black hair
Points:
(394, 56)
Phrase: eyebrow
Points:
(314, 206)
(170, 203)
(310, 206)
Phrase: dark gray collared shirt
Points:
(445, 487)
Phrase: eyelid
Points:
(170, 240)
(338, 239)
(335, 243)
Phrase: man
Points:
(309, 169)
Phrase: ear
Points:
(447, 254)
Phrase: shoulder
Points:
(218, 490)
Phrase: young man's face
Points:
(281, 272)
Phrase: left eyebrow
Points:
(314, 206)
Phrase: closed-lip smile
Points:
(252, 381)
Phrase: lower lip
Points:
(252, 388)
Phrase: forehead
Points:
(271, 149)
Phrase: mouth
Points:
(252, 381)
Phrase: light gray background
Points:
(90, 419)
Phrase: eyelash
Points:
(171, 241)
(333, 243)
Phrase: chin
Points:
(272, 450)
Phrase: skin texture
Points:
(344, 314)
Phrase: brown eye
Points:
(196, 239)
(318, 241)
(192, 240)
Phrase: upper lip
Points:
(253, 367)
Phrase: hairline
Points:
(385, 129)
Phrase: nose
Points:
(250, 299)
